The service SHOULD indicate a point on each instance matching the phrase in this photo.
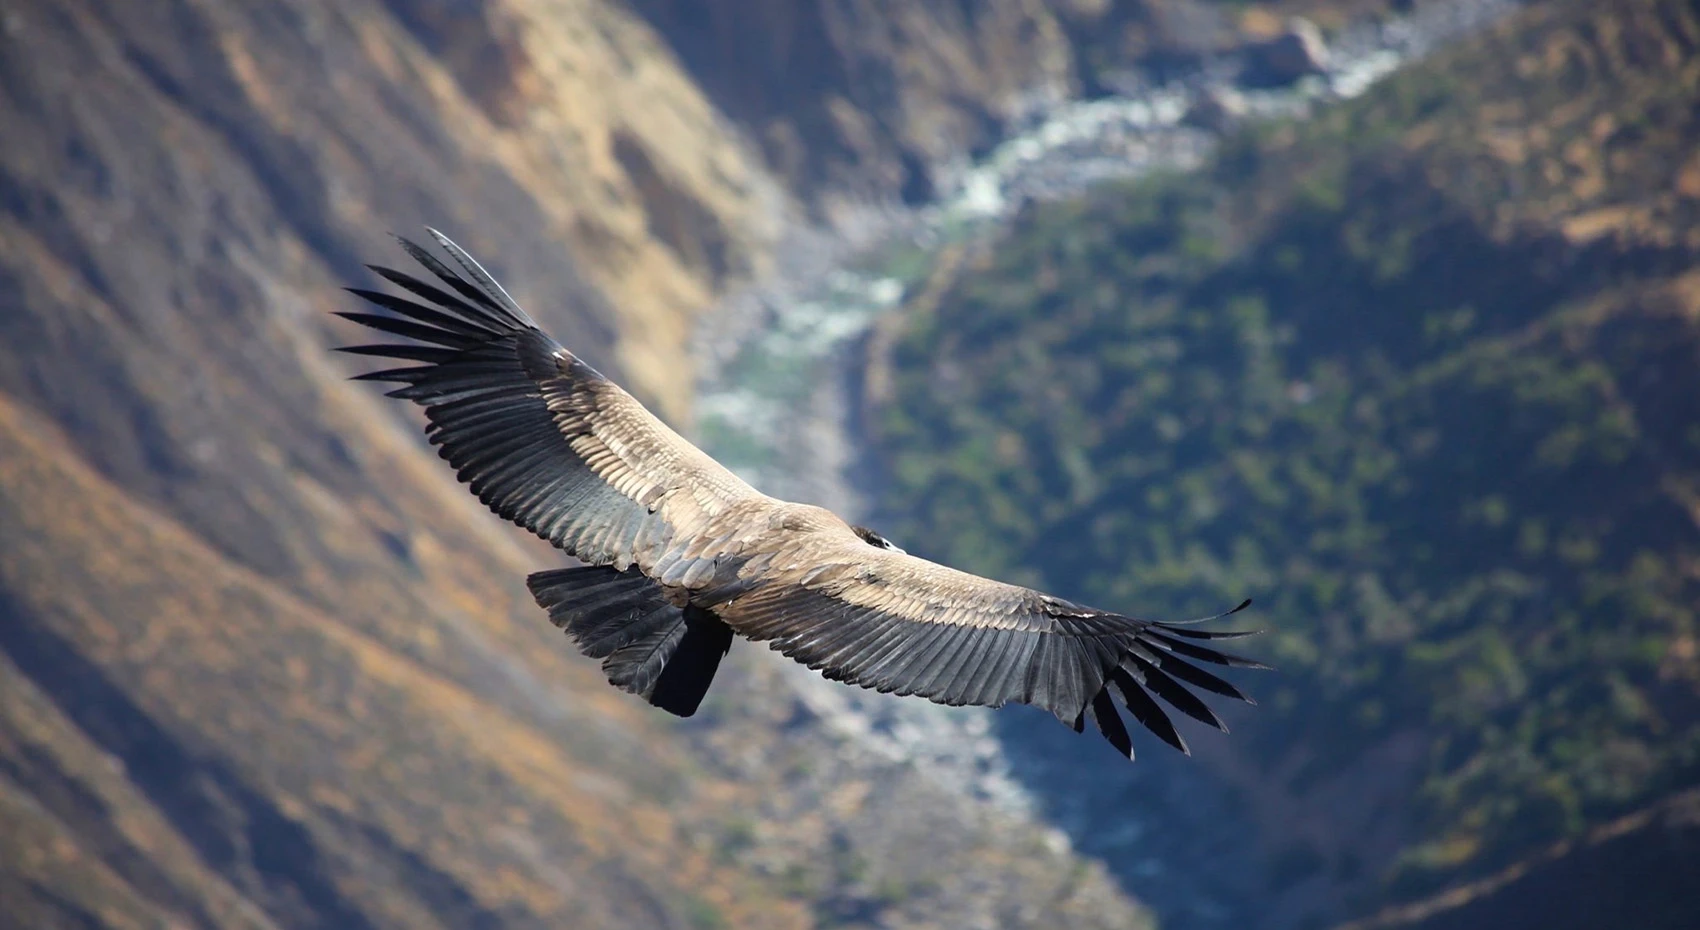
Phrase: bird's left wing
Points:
(541, 437)
(896, 623)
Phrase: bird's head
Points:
(876, 540)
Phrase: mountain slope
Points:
(263, 663)
(1419, 377)
(458, 816)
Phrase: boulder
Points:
(1295, 53)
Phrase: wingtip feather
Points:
(1196, 620)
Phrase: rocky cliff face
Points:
(262, 663)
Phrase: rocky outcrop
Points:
(1298, 51)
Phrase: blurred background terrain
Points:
(1384, 312)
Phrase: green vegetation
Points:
(703, 915)
(1361, 371)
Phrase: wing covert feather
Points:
(540, 436)
(896, 623)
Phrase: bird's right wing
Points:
(541, 437)
(896, 623)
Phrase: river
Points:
(776, 404)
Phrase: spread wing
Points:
(548, 443)
(541, 437)
(889, 621)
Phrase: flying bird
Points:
(680, 555)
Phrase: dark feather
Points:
(499, 299)
(1199, 652)
(664, 653)
(432, 294)
(400, 327)
(1179, 698)
(1146, 711)
(453, 322)
(414, 353)
(1110, 723)
(685, 679)
(1208, 634)
(1199, 678)
(453, 280)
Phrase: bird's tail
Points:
(653, 648)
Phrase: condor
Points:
(680, 555)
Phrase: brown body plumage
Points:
(681, 554)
